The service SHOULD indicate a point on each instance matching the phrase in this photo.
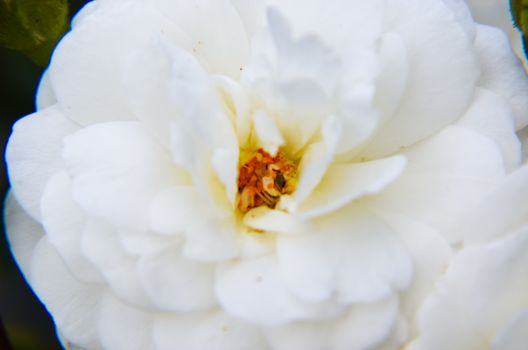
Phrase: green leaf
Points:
(33, 26)
(519, 10)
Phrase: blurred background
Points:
(24, 321)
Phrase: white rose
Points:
(276, 175)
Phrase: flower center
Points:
(263, 178)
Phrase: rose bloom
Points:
(290, 175)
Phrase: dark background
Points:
(22, 317)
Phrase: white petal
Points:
(302, 335)
(267, 132)
(367, 326)
(394, 75)
(430, 254)
(179, 210)
(122, 327)
(269, 220)
(86, 69)
(45, 96)
(363, 327)
(64, 221)
(211, 331)
(294, 78)
(175, 283)
(224, 162)
(252, 14)
(343, 24)
(255, 245)
(502, 72)
(117, 169)
(464, 15)
(344, 183)
(174, 209)
(485, 286)
(513, 336)
(192, 92)
(23, 233)
(144, 243)
(185, 151)
(316, 160)
(211, 240)
(502, 211)
(491, 116)
(523, 137)
(74, 305)
(439, 87)
(355, 101)
(215, 29)
(33, 155)
(102, 246)
(350, 256)
(445, 175)
(146, 80)
(236, 99)
(254, 290)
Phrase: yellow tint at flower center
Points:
(263, 178)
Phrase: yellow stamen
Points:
(263, 179)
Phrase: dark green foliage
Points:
(520, 15)
(33, 26)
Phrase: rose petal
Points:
(87, 63)
(33, 155)
(490, 115)
(252, 14)
(267, 132)
(176, 284)
(364, 327)
(212, 331)
(445, 175)
(349, 255)
(211, 240)
(116, 321)
(65, 297)
(344, 183)
(295, 78)
(502, 72)
(146, 80)
(116, 177)
(394, 75)
(215, 30)
(236, 99)
(367, 326)
(102, 246)
(316, 160)
(270, 220)
(45, 96)
(23, 233)
(343, 24)
(502, 211)
(481, 280)
(210, 129)
(174, 209)
(439, 87)
(513, 335)
(430, 254)
(64, 221)
(254, 290)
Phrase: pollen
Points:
(263, 178)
